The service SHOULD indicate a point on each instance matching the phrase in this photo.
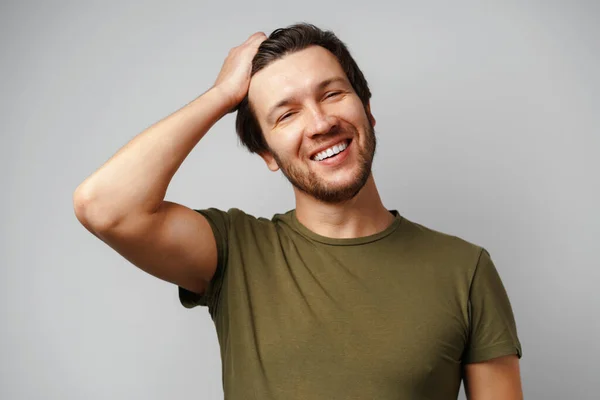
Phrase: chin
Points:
(340, 190)
(333, 186)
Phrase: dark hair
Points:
(284, 41)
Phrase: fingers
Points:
(257, 35)
(250, 45)
(256, 38)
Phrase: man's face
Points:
(319, 133)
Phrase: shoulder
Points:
(241, 224)
(233, 215)
(442, 246)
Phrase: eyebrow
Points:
(287, 101)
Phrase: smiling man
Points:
(339, 298)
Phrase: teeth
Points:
(331, 151)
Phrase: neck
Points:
(360, 216)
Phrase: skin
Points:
(495, 379)
(351, 205)
(122, 203)
(335, 201)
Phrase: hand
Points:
(234, 78)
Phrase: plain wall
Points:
(488, 129)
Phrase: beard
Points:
(310, 183)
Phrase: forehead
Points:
(292, 75)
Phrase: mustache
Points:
(334, 132)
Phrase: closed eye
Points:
(285, 116)
(331, 94)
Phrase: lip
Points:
(337, 159)
(328, 145)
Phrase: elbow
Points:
(90, 213)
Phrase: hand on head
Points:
(234, 78)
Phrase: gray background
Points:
(488, 129)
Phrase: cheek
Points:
(357, 114)
(351, 111)
(286, 143)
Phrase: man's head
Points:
(307, 94)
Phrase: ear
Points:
(269, 160)
(369, 114)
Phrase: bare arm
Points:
(496, 379)
(122, 203)
(134, 181)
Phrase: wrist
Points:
(228, 101)
(218, 100)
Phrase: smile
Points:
(332, 151)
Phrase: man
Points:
(339, 298)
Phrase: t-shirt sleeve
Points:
(492, 327)
(219, 222)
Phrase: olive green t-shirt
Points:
(390, 316)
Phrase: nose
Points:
(319, 122)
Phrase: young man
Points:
(339, 298)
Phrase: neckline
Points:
(346, 241)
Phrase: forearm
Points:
(134, 181)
